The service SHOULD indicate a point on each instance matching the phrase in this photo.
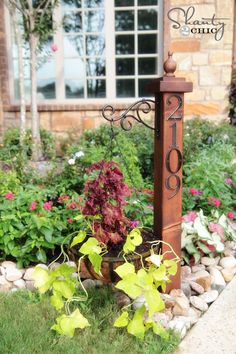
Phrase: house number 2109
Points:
(173, 181)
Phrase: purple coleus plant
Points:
(105, 197)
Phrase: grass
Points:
(26, 319)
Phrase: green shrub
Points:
(11, 144)
(207, 172)
(33, 224)
(97, 145)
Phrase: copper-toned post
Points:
(168, 158)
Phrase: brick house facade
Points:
(200, 58)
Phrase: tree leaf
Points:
(160, 273)
(128, 246)
(90, 246)
(41, 256)
(135, 237)
(56, 300)
(172, 266)
(123, 320)
(128, 285)
(42, 279)
(65, 288)
(47, 233)
(66, 324)
(96, 261)
(79, 238)
(125, 269)
(154, 301)
(160, 330)
(136, 326)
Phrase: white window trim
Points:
(110, 56)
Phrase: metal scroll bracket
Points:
(134, 112)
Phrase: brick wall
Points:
(203, 60)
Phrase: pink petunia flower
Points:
(134, 223)
(61, 198)
(195, 191)
(33, 205)
(70, 220)
(48, 205)
(230, 214)
(228, 181)
(72, 205)
(9, 196)
(190, 216)
(214, 201)
(54, 47)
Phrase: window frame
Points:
(110, 76)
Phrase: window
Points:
(107, 49)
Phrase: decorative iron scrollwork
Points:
(140, 107)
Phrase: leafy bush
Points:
(96, 145)
(203, 235)
(33, 224)
(201, 133)
(207, 173)
(11, 144)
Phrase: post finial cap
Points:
(169, 65)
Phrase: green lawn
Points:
(25, 322)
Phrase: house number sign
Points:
(174, 158)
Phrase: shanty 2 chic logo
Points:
(186, 23)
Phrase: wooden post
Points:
(168, 159)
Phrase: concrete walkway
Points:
(215, 332)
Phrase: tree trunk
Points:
(19, 43)
(36, 141)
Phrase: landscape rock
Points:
(88, 283)
(176, 293)
(122, 299)
(13, 274)
(178, 326)
(228, 262)
(210, 296)
(20, 283)
(198, 267)
(218, 282)
(8, 264)
(228, 273)
(194, 315)
(28, 274)
(181, 307)
(185, 270)
(229, 252)
(30, 285)
(185, 319)
(204, 279)
(54, 265)
(162, 318)
(169, 301)
(5, 286)
(198, 303)
(197, 287)
(186, 289)
(207, 261)
(139, 302)
(72, 264)
(2, 270)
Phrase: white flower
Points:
(71, 161)
(79, 154)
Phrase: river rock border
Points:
(201, 285)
